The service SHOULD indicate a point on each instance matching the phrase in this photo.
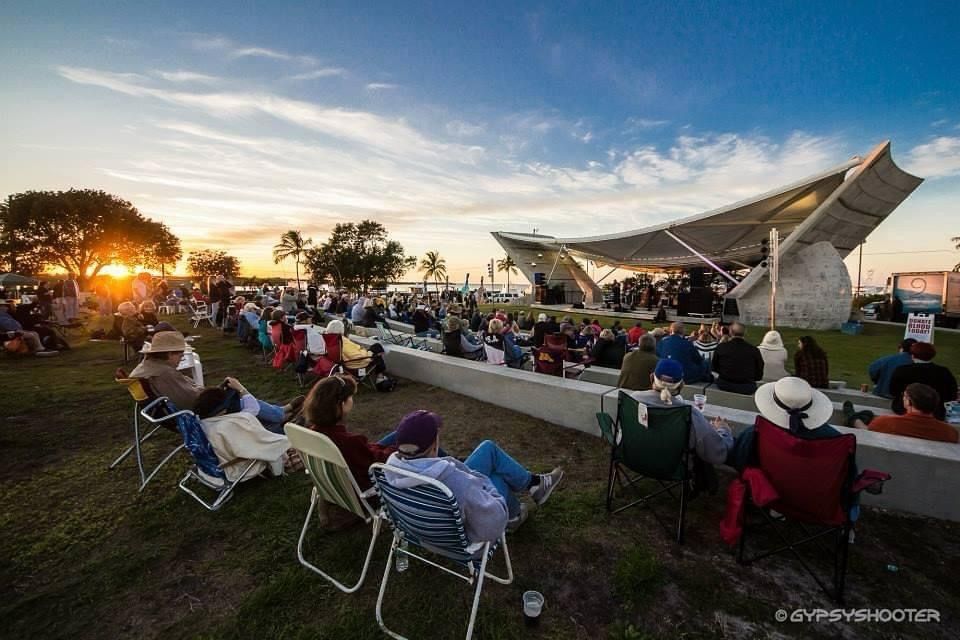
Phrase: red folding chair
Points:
(285, 351)
(332, 362)
(553, 358)
(807, 483)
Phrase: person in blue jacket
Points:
(676, 347)
(881, 370)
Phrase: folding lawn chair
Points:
(452, 346)
(428, 516)
(659, 450)
(266, 341)
(494, 356)
(200, 313)
(808, 483)
(142, 395)
(554, 361)
(332, 482)
(206, 469)
(332, 362)
(387, 335)
(285, 350)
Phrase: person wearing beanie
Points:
(711, 441)
(774, 357)
(924, 371)
(486, 484)
(355, 356)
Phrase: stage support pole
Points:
(702, 257)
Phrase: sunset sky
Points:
(233, 122)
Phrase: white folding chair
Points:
(200, 313)
(332, 482)
(428, 516)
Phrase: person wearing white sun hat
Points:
(791, 404)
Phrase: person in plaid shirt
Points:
(810, 363)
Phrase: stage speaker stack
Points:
(699, 300)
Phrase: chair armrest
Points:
(871, 481)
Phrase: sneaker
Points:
(548, 482)
(514, 523)
(848, 411)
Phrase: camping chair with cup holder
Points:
(332, 483)
(428, 516)
(206, 469)
(333, 362)
(658, 450)
(139, 390)
(809, 485)
(388, 336)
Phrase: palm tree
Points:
(956, 245)
(433, 266)
(507, 264)
(291, 245)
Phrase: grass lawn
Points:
(849, 356)
(82, 555)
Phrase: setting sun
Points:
(116, 271)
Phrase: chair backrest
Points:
(548, 361)
(300, 339)
(555, 341)
(494, 355)
(138, 388)
(810, 476)
(427, 514)
(328, 470)
(333, 343)
(659, 449)
(276, 332)
(266, 340)
(451, 343)
(197, 444)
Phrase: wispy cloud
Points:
(634, 125)
(939, 123)
(463, 129)
(381, 86)
(326, 72)
(219, 43)
(187, 76)
(938, 158)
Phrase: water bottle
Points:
(403, 561)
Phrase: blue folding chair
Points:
(428, 516)
(206, 469)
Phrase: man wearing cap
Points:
(881, 370)
(159, 368)
(484, 484)
(924, 371)
(712, 442)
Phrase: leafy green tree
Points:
(956, 245)
(208, 262)
(80, 230)
(434, 267)
(507, 264)
(291, 245)
(358, 255)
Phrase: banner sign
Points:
(919, 327)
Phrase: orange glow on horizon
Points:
(116, 271)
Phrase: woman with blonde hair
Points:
(774, 357)
(711, 441)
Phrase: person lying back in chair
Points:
(159, 367)
(484, 485)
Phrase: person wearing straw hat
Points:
(791, 404)
(159, 368)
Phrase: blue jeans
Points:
(270, 415)
(506, 474)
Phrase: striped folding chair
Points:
(332, 482)
(428, 516)
(207, 469)
(142, 395)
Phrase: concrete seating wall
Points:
(926, 474)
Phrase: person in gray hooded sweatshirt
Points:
(484, 484)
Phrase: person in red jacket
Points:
(326, 408)
(633, 335)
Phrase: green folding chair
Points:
(659, 451)
(332, 482)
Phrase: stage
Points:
(603, 312)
